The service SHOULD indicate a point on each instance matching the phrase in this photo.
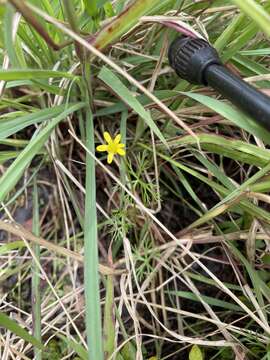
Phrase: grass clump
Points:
(164, 252)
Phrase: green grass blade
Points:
(245, 204)
(208, 299)
(124, 22)
(7, 155)
(91, 276)
(36, 298)
(256, 52)
(30, 74)
(212, 168)
(12, 325)
(11, 246)
(143, 99)
(109, 323)
(247, 33)
(256, 12)
(8, 38)
(91, 7)
(260, 287)
(237, 117)
(123, 92)
(227, 35)
(234, 149)
(9, 126)
(15, 171)
(79, 349)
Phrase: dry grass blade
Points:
(173, 22)
(19, 231)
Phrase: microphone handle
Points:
(250, 100)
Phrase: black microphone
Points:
(196, 61)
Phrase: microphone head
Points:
(190, 57)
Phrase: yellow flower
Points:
(114, 146)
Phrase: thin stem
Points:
(71, 17)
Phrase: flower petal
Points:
(107, 137)
(117, 139)
(121, 146)
(110, 157)
(102, 147)
(121, 152)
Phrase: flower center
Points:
(112, 148)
